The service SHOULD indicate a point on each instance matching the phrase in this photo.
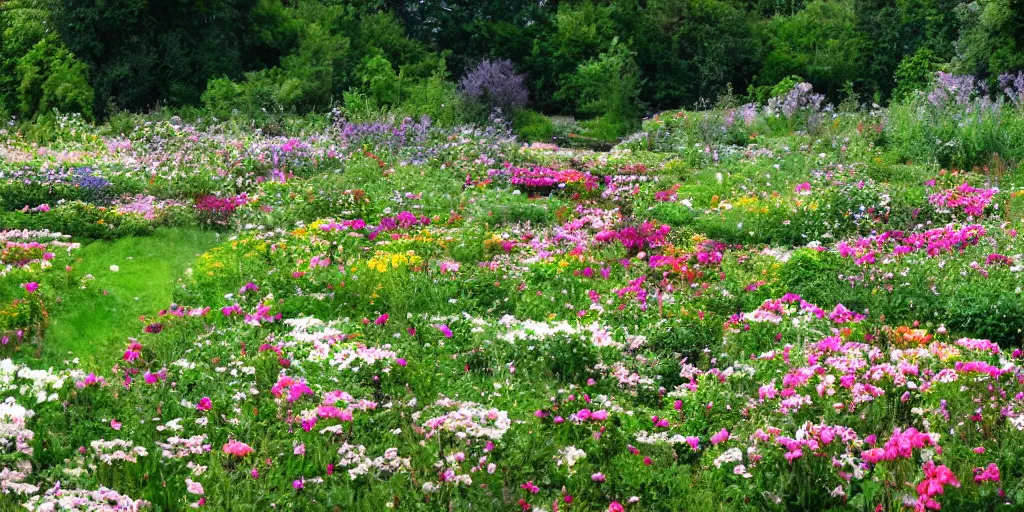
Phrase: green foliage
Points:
(915, 73)
(261, 59)
(532, 126)
(580, 33)
(51, 78)
(608, 86)
(820, 43)
(22, 25)
(690, 50)
(898, 29)
(381, 82)
(142, 52)
(763, 93)
(991, 40)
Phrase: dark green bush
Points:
(532, 126)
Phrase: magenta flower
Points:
(598, 477)
(205, 404)
(721, 437)
(381, 320)
(444, 330)
(31, 287)
(694, 442)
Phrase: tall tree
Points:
(141, 52)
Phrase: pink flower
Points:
(31, 287)
(234, 309)
(598, 477)
(298, 484)
(239, 449)
(987, 474)
(381, 320)
(694, 442)
(193, 487)
(873, 456)
(444, 330)
(530, 486)
(205, 404)
(793, 455)
(721, 437)
(616, 507)
(116, 425)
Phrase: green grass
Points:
(94, 323)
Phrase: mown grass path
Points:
(94, 323)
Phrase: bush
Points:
(609, 87)
(915, 73)
(532, 126)
(380, 81)
(495, 84)
(52, 79)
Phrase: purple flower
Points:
(496, 84)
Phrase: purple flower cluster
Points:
(800, 97)
(496, 84)
(382, 134)
(1013, 86)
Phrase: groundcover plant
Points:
(766, 307)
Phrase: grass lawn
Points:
(93, 324)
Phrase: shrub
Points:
(381, 82)
(915, 73)
(609, 87)
(532, 126)
(51, 78)
(496, 85)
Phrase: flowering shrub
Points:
(495, 84)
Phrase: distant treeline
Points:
(613, 59)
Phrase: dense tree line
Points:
(612, 59)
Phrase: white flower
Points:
(114, 268)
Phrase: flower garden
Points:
(765, 307)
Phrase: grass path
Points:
(93, 324)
